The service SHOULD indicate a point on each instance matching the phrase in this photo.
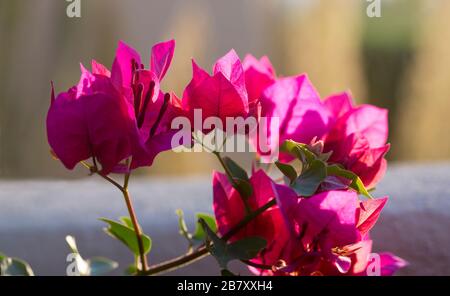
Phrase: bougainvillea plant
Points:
(311, 217)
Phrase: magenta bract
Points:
(221, 95)
(115, 115)
(357, 138)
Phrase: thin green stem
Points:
(126, 179)
(177, 262)
(137, 229)
(94, 170)
(127, 197)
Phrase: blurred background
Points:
(399, 61)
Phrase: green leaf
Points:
(14, 267)
(308, 155)
(310, 179)
(218, 246)
(298, 150)
(325, 156)
(243, 187)
(287, 170)
(126, 221)
(356, 183)
(235, 170)
(315, 170)
(127, 236)
(244, 249)
(131, 270)
(101, 265)
(199, 233)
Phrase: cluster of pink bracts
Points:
(123, 114)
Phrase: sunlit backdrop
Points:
(399, 61)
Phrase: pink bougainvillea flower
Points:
(259, 74)
(221, 95)
(152, 110)
(357, 138)
(326, 234)
(296, 105)
(329, 235)
(128, 90)
(88, 120)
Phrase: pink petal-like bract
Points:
(259, 74)
(90, 120)
(295, 103)
(357, 137)
(368, 213)
(391, 263)
(221, 95)
(161, 57)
